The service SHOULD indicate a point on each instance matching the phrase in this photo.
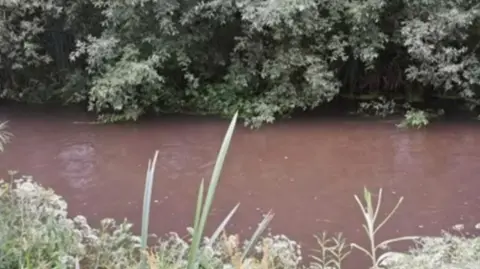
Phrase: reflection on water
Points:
(78, 164)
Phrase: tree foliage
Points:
(265, 58)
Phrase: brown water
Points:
(306, 171)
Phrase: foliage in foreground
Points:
(35, 232)
(262, 58)
(446, 252)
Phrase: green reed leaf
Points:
(147, 197)
(199, 230)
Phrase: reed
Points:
(203, 206)
(147, 198)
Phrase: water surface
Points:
(306, 171)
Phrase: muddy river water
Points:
(305, 171)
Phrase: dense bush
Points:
(36, 232)
(263, 58)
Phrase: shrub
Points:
(415, 119)
(381, 107)
(34, 229)
(265, 59)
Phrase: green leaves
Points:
(147, 199)
(203, 206)
(444, 47)
(264, 59)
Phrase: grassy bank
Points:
(36, 232)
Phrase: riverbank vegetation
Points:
(265, 59)
(36, 232)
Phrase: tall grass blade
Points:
(147, 197)
(196, 221)
(261, 227)
(222, 225)
(77, 264)
(389, 215)
(216, 172)
(199, 230)
(198, 209)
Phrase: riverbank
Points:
(331, 112)
(38, 234)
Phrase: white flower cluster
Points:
(284, 253)
(445, 252)
(35, 225)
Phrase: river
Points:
(305, 170)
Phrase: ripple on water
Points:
(78, 164)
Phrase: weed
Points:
(331, 252)
(415, 119)
(370, 216)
